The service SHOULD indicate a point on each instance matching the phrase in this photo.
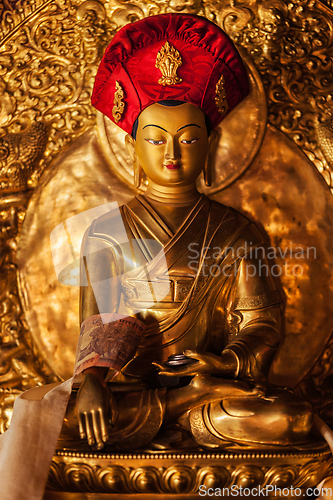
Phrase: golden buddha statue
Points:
(185, 276)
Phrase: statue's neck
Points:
(173, 204)
(173, 196)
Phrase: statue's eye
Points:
(189, 142)
(156, 143)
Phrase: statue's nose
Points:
(172, 150)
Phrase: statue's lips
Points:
(172, 166)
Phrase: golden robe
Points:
(215, 287)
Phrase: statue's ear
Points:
(213, 140)
(137, 170)
(130, 145)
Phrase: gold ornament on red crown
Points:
(221, 98)
(119, 104)
(168, 61)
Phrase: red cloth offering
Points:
(108, 340)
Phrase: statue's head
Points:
(168, 81)
(171, 142)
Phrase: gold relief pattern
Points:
(12, 14)
(119, 104)
(20, 366)
(18, 154)
(47, 70)
(291, 46)
(221, 98)
(324, 136)
(317, 386)
(136, 475)
(258, 301)
(168, 61)
(7, 399)
(121, 12)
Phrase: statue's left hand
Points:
(93, 402)
(206, 363)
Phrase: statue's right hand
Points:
(94, 401)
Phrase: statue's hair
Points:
(169, 103)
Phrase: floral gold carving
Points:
(291, 46)
(221, 98)
(18, 154)
(47, 69)
(20, 365)
(119, 104)
(168, 61)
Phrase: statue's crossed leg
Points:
(216, 411)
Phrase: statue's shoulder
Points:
(246, 228)
(225, 211)
(110, 224)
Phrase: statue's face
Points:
(172, 143)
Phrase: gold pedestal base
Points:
(83, 476)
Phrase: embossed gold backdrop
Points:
(56, 162)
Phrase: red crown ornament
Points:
(169, 57)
